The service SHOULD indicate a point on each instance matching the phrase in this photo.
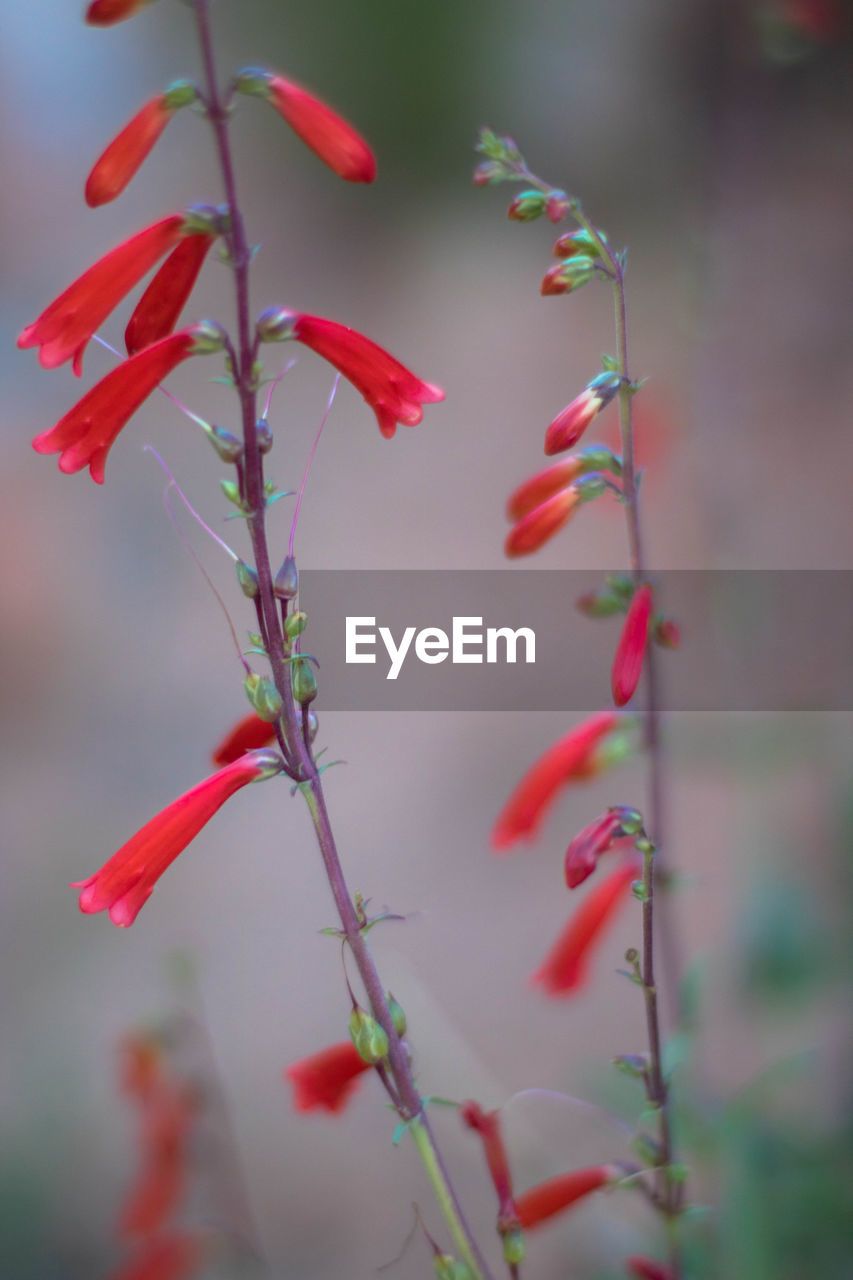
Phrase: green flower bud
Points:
(248, 579)
(263, 434)
(631, 1064)
(226, 445)
(295, 624)
(368, 1037)
(232, 492)
(286, 582)
(180, 93)
(526, 206)
(448, 1268)
(276, 325)
(398, 1016)
(304, 681)
(514, 1249)
(598, 605)
(264, 697)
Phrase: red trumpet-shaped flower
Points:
(160, 1185)
(118, 163)
(326, 133)
(647, 1269)
(544, 485)
(64, 328)
(250, 733)
(103, 13)
(566, 965)
(175, 1255)
(567, 759)
(628, 660)
(547, 1199)
(488, 1125)
(569, 425)
(538, 526)
(125, 883)
(588, 845)
(86, 434)
(392, 391)
(327, 1080)
(160, 306)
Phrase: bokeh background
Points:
(713, 138)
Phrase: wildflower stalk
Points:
(297, 750)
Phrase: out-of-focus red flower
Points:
(543, 485)
(541, 524)
(588, 845)
(85, 435)
(122, 158)
(667, 634)
(141, 1066)
(159, 1188)
(175, 1255)
(488, 1125)
(570, 424)
(566, 966)
(160, 306)
(327, 134)
(547, 1199)
(647, 1269)
(392, 391)
(63, 329)
(125, 883)
(103, 13)
(252, 732)
(628, 660)
(567, 759)
(326, 1080)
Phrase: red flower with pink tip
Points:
(392, 391)
(567, 759)
(125, 883)
(541, 524)
(103, 13)
(327, 1080)
(160, 306)
(322, 130)
(570, 424)
(554, 1196)
(566, 966)
(121, 160)
(588, 845)
(628, 660)
(63, 329)
(85, 435)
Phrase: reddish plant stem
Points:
(404, 1094)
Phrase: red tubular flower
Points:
(326, 133)
(141, 1066)
(647, 1269)
(547, 1199)
(393, 393)
(176, 1255)
(115, 167)
(567, 759)
(569, 425)
(545, 484)
(104, 13)
(64, 328)
(541, 524)
(588, 845)
(326, 1080)
(159, 1189)
(157, 311)
(565, 967)
(487, 1125)
(252, 732)
(86, 434)
(628, 660)
(125, 883)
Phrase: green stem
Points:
(423, 1140)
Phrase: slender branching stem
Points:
(404, 1093)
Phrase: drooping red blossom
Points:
(628, 660)
(252, 732)
(103, 13)
(125, 883)
(566, 966)
(63, 329)
(123, 157)
(325, 132)
(167, 1121)
(541, 524)
(533, 492)
(488, 1125)
(141, 1071)
(647, 1269)
(392, 391)
(85, 435)
(588, 845)
(570, 424)
(549, 1198)
(160, 306)
(327, 1080)
(566, 760)
(175, 1255)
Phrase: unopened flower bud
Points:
(370, 1040)
(286, 582)
(295, 624)
(304, 681)
(226, 445)
(231, 490)
(598, 604)
(667, 634)
(556, 206)
(312, 722)
(263, 435)
(208, 338)
(631, 1064)
(248, 579)
(264, 696)
(488, 173)
(514, 1250)
(574, 242)
(398, 1016)
(640, 890)
(526, 206)
(568, 275)
(276, 325)
(450, 1268)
